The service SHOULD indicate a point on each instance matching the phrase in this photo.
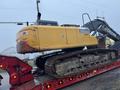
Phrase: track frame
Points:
(65, 82)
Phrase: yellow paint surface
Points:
(54, 37)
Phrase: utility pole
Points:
(38, 11)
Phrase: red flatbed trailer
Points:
(21, 77)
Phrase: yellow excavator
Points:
(81, 48)
(73, 58)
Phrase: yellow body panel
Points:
(39, 38)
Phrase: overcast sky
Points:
(63, 11)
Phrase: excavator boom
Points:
(102, 27)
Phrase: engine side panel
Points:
(42, 38)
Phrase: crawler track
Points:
(63, 64)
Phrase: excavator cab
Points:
(46, 22)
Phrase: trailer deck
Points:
(106, 81)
